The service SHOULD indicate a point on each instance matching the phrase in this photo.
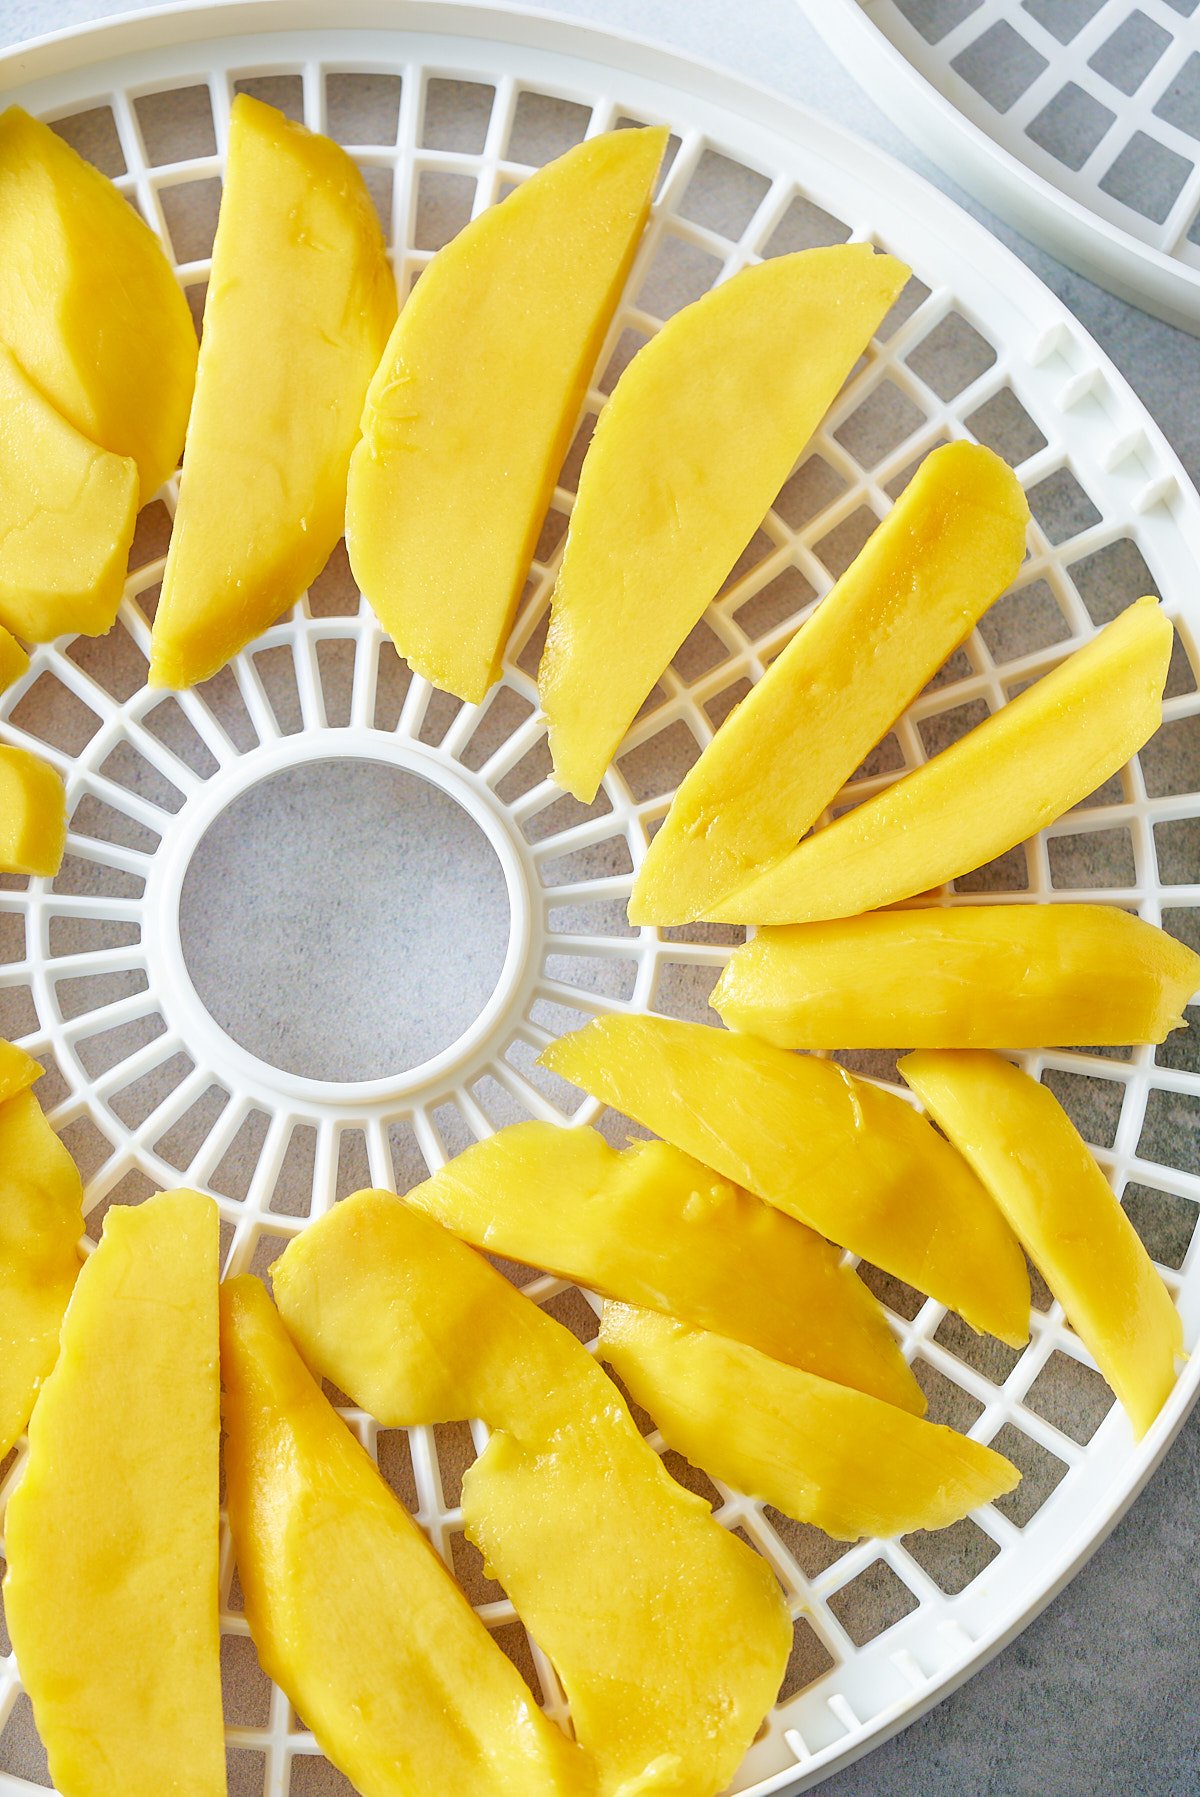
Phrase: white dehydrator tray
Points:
(1076, 120)
(481, 911)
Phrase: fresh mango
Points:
(300, 303)
(838, 1459)
(68, 510)
(1016, 772)
(14, 662)
(41, 1221)
(18, 1070)
(969, 976)
(89, 304)
(949, 546)
(1041, 1173)
(670, 1636)
(471, 411)
(701, 432)
(842, 1155)
(33, 814)
(351, 1610)
(111, 1536)
(654, 1227)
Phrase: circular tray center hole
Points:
(344, 920)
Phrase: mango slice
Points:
(701, 432)
(1041, 1173)
(18, 1070)
(1009, 777)
(89, 304)
(41, 1221)
(471, 411)
(840, 1154)
(825, 1455)
(974, 976)
(111, 1536)
(655, 1227)
(352, 1612)
(67, 515)
(299, 307)
(13, 660)
(950, 545)
(33, 814)
(669, 1634)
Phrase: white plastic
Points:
(976, 345)
(1106, 180)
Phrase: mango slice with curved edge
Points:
(1016, 772)
(1043, 1176)
(844, 1156)
(702, 430)
(966, 976)
(471, 411)
(14, 662)
(655, 1227)
(825, 1455)
(670, 1636)
(352, 1612)
(33, 814)
(300, 303)
(111, 1536)
(951, 544)
(68, 510)
(18, 1070)
(41, 1221)
(89, 304)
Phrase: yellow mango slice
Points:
(701, 432)
(299, 307)
(670, 1636)
(471, 411)
(13, 660)
(89, 304)
(1041, 1173)
(41, 1221)
(352, 1612)
(33, 814)
(67, 515)
(111, 1536)
(840, 1154)
(18, 1070)
(1016, 772)
(949, 546)
(838, 1459)
(655, 1227)
(970, 976)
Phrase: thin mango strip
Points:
(840, 1154)
(835, 1458)
(655, 1227)
(969, 976)
(33, 814)
(950, 545)
(701, 432)
(1009, 777)
(1043, 1176)
(670, 1636)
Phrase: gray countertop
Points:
(1098, 1695)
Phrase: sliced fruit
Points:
(840, 1154)
(669, 1635)
(655, 1227)
(18, 1070)
(1042, 1174)
(111, 1536)
(299, 307)
(353, 1614)
(13, 660)
(701, 432)
(974, 976)
(835, 1458)
(67, 515)
(41, 1221)
(471, 411)
(950, 545)
(1009, 777)
(89, 304)
(33, 814)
